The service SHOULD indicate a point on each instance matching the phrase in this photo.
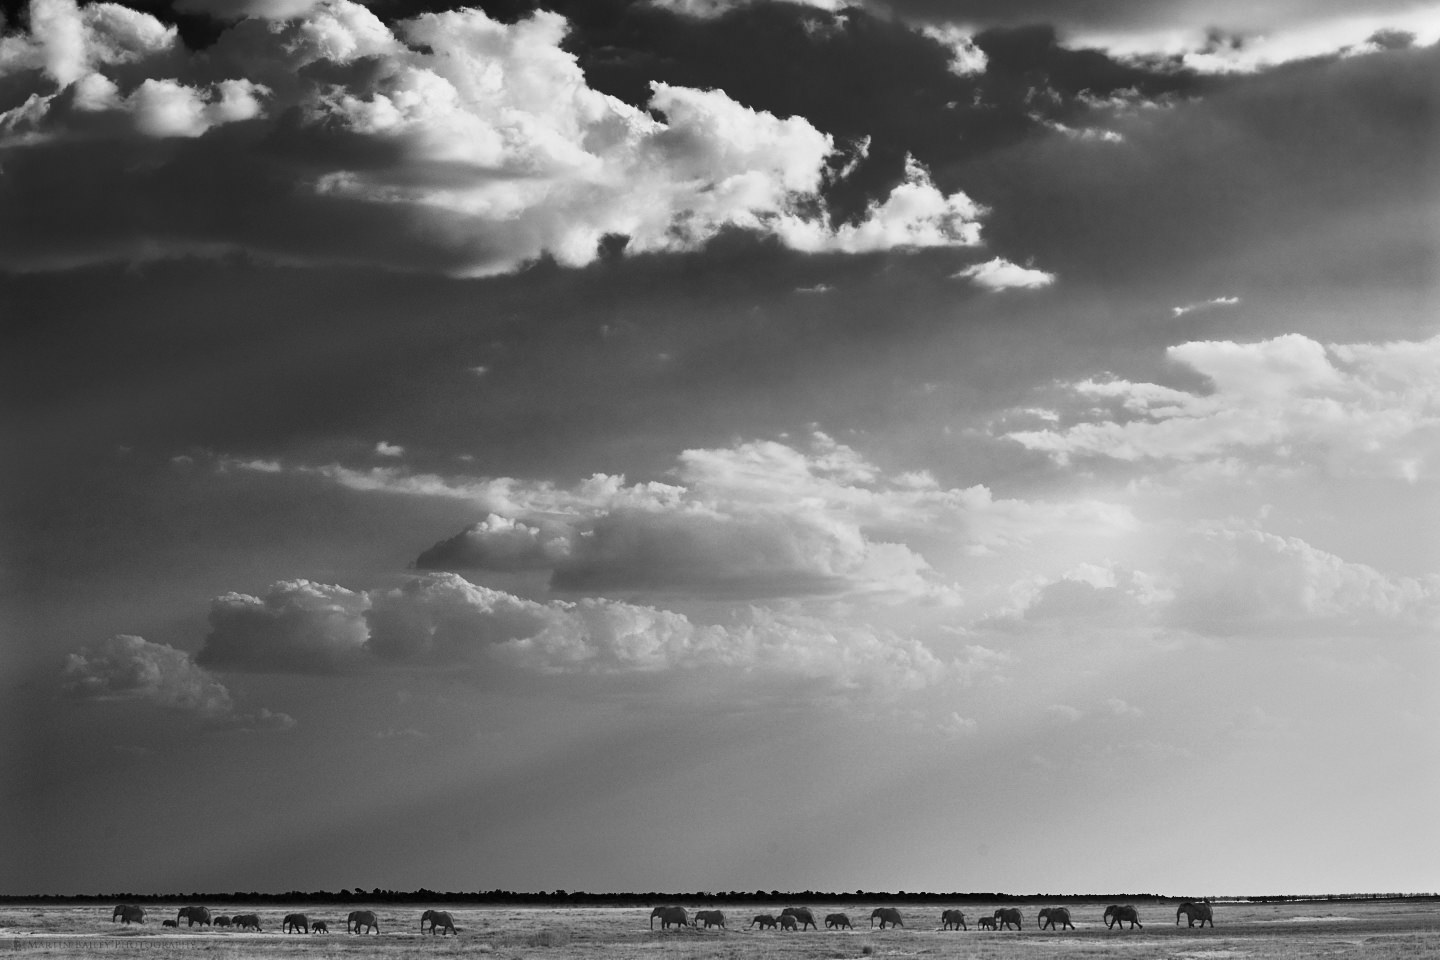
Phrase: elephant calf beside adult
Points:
(1005, 916)
(1195, 911)
(246, 921)
(802, 916)
(765, 921)
(440, 919)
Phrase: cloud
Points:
(1204, 305)
(1356, 409)
(130, 668)
(449, 142)
(956, 727)
(442, 618)
(297, 627)
(966, 58)
(1001, 274)
(383, 449)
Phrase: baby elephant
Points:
(319, 927)
(789, 922)
(765, 921)
(168, 923)
(986, 923)
(834, 921)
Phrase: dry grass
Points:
(1366, 931)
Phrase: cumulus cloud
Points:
(1356, 409)
(757, 519)
(297, 627)
(442, 618)
(131, 668)
(1001, 274)
(966, 58)
(449, 142)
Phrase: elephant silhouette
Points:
(128, 913)
(834, 921)
(296, 921)
(802, 916)
(711, 918)
(765, 921)
(952, 920)
(985, 923)
(438, 918)
(247, 921)
(193, 915)
(1116, 915)
(669, 916)
(1195, 911)
(886, 915)
(1050, 916)
(319, 926)
(222, 921)
(362, 918)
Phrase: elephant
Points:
(802, 915)
(952, 920)
(1195, 911)
(886, 915)
(1053, 915)
(246, 921)
(711, 918)
(296, 921)
(128, 913)
(193, 915)
(1116, 915)
(169, 923)
(985, 923)
(669, 916)
(362, 918)
(765, 921)
(222, 921)
(1005, 916)
(788, 922)
(834, 921)
(319, 926)
(438, 918)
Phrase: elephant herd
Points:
(359, 921)
(1051, 918)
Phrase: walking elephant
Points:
(711, 918)
(438, 918)
(193, 915)
(169, 923)
(669, 916)
(985, 923)
(835, 921)
(886, 915)
(295, 922)
(952, 920)
(128, 913)
(1050, 916)
(246, 921)
(788, 922)
(765, 921)
(1195, 911)
(222, 921)
(802, 916)
(362, 918)
(1005, 916)
(1116, 915)
(319, 926)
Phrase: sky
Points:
(720, 445)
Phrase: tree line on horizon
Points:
(636, 899)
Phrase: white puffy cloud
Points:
(465, 146)
(1357, 409)
(966, 59)
(442, 618)
(297, 627)
(130, 668)
(1001, 274)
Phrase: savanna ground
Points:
(1408, 930)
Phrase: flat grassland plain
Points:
(1376, 930)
